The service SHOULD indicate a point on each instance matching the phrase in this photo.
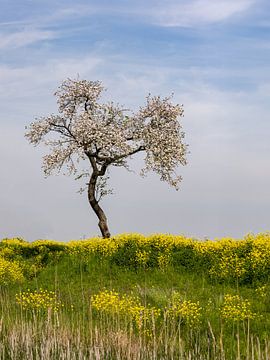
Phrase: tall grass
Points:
(70, 334)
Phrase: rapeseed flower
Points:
(38, 300)
(10, 272)
(186, 310)
(235, 308)
(111, 302)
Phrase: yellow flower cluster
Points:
(163, 260)
(229, 266)
(38, 300)
(142, 257)
(261, 291)
(14, 242)
(225, 258)
(235, 309)
(187, 310)
(112, 302)
(98, 246)
(7, 252)
(10, 272)
(259, 255)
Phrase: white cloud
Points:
(186, 13)
(23, 38)
(166, 13)
(172, 13)
(24, 82)
(197, 12)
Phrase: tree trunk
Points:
(95, 206)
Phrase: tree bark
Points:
(103, 225)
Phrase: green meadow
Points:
(135, 297)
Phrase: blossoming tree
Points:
(107, 135)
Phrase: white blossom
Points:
(108, 134)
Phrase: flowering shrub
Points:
(13, 249)
(227, 259)
(10, 272)
(230, 266)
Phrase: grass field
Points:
(135, 297)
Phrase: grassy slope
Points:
(75, 281)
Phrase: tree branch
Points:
(63, 133)
(93, 162)
(119, 157)
(103, 169)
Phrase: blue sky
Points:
(214, 56)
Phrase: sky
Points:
(213, 55)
